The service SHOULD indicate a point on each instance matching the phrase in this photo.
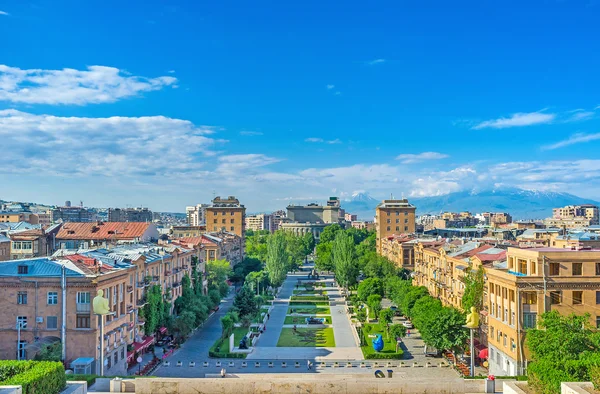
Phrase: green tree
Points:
(295, 251)
(408, 299)
(344, 259)
(445, 330)
(385, 319)
(227, 323)
(277, 258)
(324, 260)
(368, 287)
(218, 271)
(361, 315)
(153, 311)
(473, 293)
(49, 352)
(397, 331)
(215, 297)
(329, 233)
(376, 266)
(245, 303)
(184, 323)
(258, 281)
(374, 304)
(308, 243)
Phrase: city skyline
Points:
(171, 104)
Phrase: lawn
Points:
(309, 309)
(306, 337)
(302, 319)
(389, 346)
(223, 345)
(310, 297)
(308, 292)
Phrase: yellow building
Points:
(534, 281)
(11, 217)
(399, 250)
(226, 215)
(394, 217)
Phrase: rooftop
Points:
(40, 267)
(103, 230)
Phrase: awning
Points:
(139, 346)
(483, 354)
(162, 330)
(130, 356)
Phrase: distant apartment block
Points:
(4, 248)
(70, 213)
(394, 217)
(187, 231)
(104, 234)
(129, 215)
(259, 222)
(226, 214)
(349, 217)
(196, 215)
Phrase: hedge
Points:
(91, 379)
(302, 302)
(35, 377)
(385, 356)
(309, 298)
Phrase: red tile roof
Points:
(88, 264)
(189, 240)
(491, 257)
(103, 230)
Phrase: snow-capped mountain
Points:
(521, 204)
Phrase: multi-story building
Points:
(363, 225)
(394, 217)
(226, 215)
(187, 231)
(69, 213)
(104, 234)
(312, 218)
(534, 281)
(33, 243)
(259, 222)
(129, 215)
(11, 217)
(572, 223)
(584, 211)
(577, 240)
(4, 248)
(217, 246)
(349, 217)
(196, 215)
(399, 249)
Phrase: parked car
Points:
(430, 351)
(407, 324)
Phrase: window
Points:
(215, 228)
(555, 297)
(598, 297)
(505, 314)
(21, 352)
(215, 221)
(397, 220)
(116, 357)
(232, 221)
(83, 321)
(22, 298)
(405, 228)
(597, 268)
(223, 213)
(597, 321)
(223, 221)
(232, 228)
(51, 322)
(22, 321)
(554, 269)
(22, 269)
(529, 320)
(397, 228)
(405, 220)
(388, 228)
(577, 297)
(493, 308)
(512, 345)
(491, 332)
(577, 268)
(388, 213)
(122, 353)
(108, 361)
(83, 297)
(505, 338)
(52, 298)
(389, 221)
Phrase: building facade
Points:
(226, 215)
(259, 222)
(394, 217)
(104, 234)
(196, 215)
(129, 215)
(534, 281)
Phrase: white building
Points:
(196, 215)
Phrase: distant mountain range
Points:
(521, 204)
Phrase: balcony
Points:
(82, 308)
(141, 302)
(142, 284)
(185, 266)
(131, 325)
(168, 273)
(129, 308)
(140, 322)
(176, 284)
(129, 288)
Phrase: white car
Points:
(407, 324)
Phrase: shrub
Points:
(385, 356)
(90, 379)
(310, 298)
(35, 377)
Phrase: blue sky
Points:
(163, 103)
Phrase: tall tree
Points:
(277, 258)
(245, 302)
(295, 250)
(473, 294)
(374, 303)
(308, 243)
(218, 271)
(329, 233)
(368, 287)
(344, 259)
(324, 260)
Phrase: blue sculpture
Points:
(378, 343)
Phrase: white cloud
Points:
(580, 115)
(4, 13)
(115, 146)
(239, 165)
(329, 87)
(375, 62)
(250, 133)
(337, 93)
(574, 139)
(321, 140)
(517, 120)
(97, 84)
(408, 158)
(171, 71)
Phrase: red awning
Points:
(162, 330)
(130, 356)
(139, 346)
(483, 354)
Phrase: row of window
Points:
(51, 322)
(232, 228)
(398, 213)
(388, 228)
(390, 221)
(503, 339)
(232, 221)
(51, 298)
(22, 245)
(576, 269)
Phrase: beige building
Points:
(315, 213)
(394, 217)
(226, 215)
(11, 217)
(585, 211)
(399, 249)
(187, 231)
(534, 281)
(259, 222)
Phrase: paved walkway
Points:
(342, 330)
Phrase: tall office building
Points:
(394, 217)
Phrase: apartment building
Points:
(11, 217)
(259, 222)
(104, 234)
(129, 215)
(394, 217)
(69, 213)
(196, 215)
(187, 231)
(33, 303)
(33, 243)
(4, 248)
(585, 211)
(399, 249)
(226, 215)
(533, 281)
